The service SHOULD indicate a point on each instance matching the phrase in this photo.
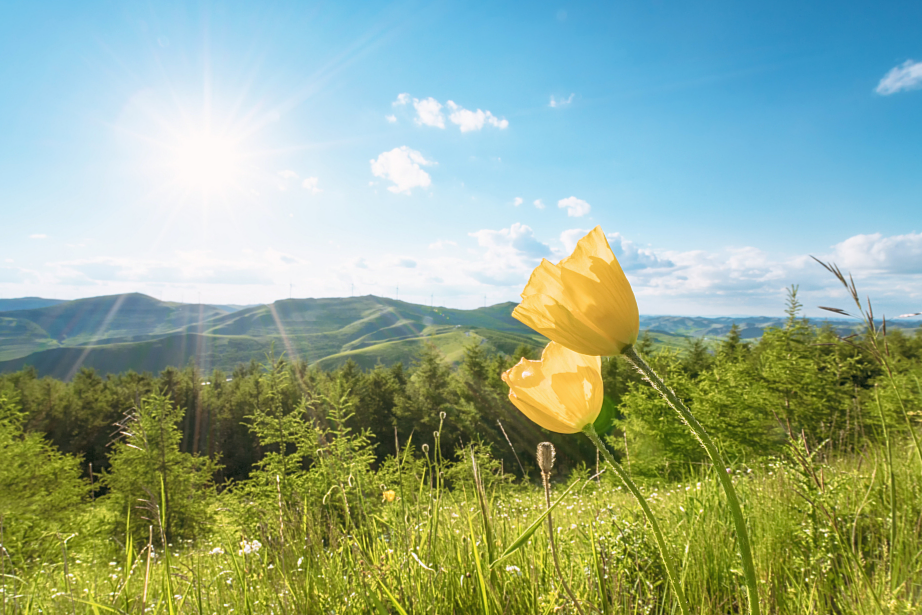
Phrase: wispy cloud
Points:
(38, 236)
(906, 76)
(391, 118)
(310, 183)
(401, 166)
(539, 203)
(517, 201)
(556, 103)
(510, 254)
(184, 267)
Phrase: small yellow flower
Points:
(562, 392)
(585, 302)
(389, 495)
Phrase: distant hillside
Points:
(135, 332)
(117, 333)
(26, 303)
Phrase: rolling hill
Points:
(26, 303)
(135, 332)
(117, 333)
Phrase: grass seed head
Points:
(546, 454)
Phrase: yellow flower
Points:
(389, 495)
(585, 302)
(562, 392)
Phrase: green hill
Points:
(26, 303)
(136, 332)
(115, 317)
(118, 333)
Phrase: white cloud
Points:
(310, 183)
(407, 263)
(898, 254)
(391, 118)
(517, 201)
(518, 237)
(560, 102)
(360, 263)
(629, 255)
(539, 203)
(511, 253)
(469, 120)
(401, 166)
(576, 208)
(183, 267)
(38, 236)
(429, 112)
(441, 243)
(570, 237)
(906, 76)
(288, 174)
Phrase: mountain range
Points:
(118, 333)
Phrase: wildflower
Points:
(514, 570)
(249, 547)
(389, 495)
(561, 392)
(585, 302)
(216, 551)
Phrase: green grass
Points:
(821, 547)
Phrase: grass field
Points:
(830, 536)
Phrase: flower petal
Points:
(561, 392)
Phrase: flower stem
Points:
(550, 536)
(720, 466)
(589, 430)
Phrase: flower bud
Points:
(546, 454)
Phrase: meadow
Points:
(285, 488)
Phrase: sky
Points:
(241, 153)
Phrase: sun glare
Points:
(208, 163)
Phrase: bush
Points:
(40, 488)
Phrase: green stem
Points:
(589, 430)
(889, 451)
(742, 535)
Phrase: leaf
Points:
(521, 540)
(606, 417)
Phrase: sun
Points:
(208, 163)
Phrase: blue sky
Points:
(240, 152)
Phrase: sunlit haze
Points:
(244, 153)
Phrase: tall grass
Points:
(831, 535)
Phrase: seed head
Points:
(546, 456)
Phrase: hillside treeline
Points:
(270, 430)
